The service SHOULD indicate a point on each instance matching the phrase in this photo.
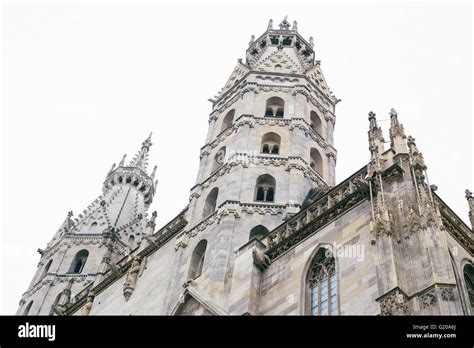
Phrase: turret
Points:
(85, 245)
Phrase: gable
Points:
(279, 61)
(239, 72)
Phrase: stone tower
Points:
(266, 230)
(270, 137)
(83, 247)
(270, 141)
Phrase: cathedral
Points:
(267, 230)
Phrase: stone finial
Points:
(396, 133)
(141, 158)
(469, 196)
(152, 176)
(295, 26)
(252, 39)
(470, 201)
(311, 41)
(147, 143)
(416, 156)
(122, 161)
(375, 132)
(270, 24)
(112, 169)
(284, 25)
(40, 251)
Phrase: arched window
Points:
(271, 143)
(316, 161)
(469, 280)
(93, 227)
(79, 261)
(275, 107)
(210, 204)
(258, 232)
(28, 308)
(278, 67)
(45, 269)
(321, 284)
(197, 260)
(265, 188)
(131, 239)
(55, 303)
(316, 123)
(219, 159)
(228, 119)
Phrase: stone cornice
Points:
(231, 207)
(455, 226)
(52, 278)
(245, 160)
(159, 238)
(252, 121)
(318, 214)
(237, 91)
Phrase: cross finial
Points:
(284, 25)
(468, 195)
(393, 113)
(270, 24)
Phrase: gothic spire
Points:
(470, 201)
(397, 133)
(375, 133)
(284, 25)
(141, 158)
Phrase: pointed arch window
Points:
(228, 119)
(258, 232)
(271, 143)
(469, 281)
(316, 123)
(275, 107)
(316, 161)
(28, 308)
(265, 188)
(79, 261)
(197, 260)
(321, 284)
(55, 303)
(211, 202)
(45, 269)
(219, 159)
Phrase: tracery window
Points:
(322, 285)
(469, 280)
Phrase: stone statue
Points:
(135, 270)
(260, 259)
(87, 307)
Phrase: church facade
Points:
(267, 230)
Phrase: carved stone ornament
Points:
(382, 224)
(414, 223)
(87, 307)
(135, 270)
(394, 303)
(447, 294)
(260, 259)
(428, 299)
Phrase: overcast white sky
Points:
(84, 83)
